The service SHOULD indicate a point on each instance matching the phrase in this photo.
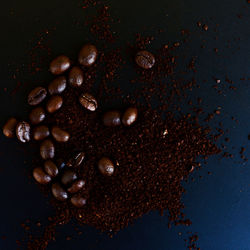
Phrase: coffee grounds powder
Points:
(152, 157)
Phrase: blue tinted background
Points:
(218, 204)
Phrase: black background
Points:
(217, 204)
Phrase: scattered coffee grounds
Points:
(106, 166)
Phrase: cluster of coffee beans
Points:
(66, 183)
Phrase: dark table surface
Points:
(218, 204)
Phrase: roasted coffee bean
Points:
(54, 103)
(76, 76)
(40, 132)
(59, 65)
(59, 134)
(87, 55)
(76, 160)
(58, 192)
(40, 176)
(37, 115)
(106, 166)
(130, 116)
(23, 131)
(37, 95)
(58, 85)
(78, 201)
(145, 59)
(76, 186)
(51, 168)
(9, 128)
(68, 177)
(60, 163)
(112, 118)
(88, 101)
(47, 149)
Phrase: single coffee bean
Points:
(78, 201)
(47, 149)
(145, 59)
(51, 168)
(36, 96)
(54, 103)
(130, 116)
(58, 192)
(58, 85)
(37, 115)
(76, 186)
(23, 131)
(59, 65)
(40, 132)
(68, 177)
(59, 134)
(9, 128)
(106, 166)
(76, 160)
(88, 101)
(87, 55)
(40, 176)
(76, 76)
(112, 118)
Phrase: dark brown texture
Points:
(51, 168)
(87, 55)
(59, 65)
(78, 201)
(40, 132)
(37, 95)
(76, 77)
(76, 186)
(58, 192)
(47, 149)
(37, 115)
(129, 116)
(54, 103)
(68, 177)
(88, 101)
(112, 118)
(23, 131)
(9, 128)
(40, 176)
(145, 59)
(59, 134)
(106, 166)
(58, 85)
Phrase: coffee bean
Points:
(112, 118)
(76, 76)
(40, 132)
(23, 131)
(106, 166)
(60, 163)
(59, 134)
(68, 177)
(88, 101)
(51, 168)
(76, 160)
(36, 96)
(59, 65)
(9, 128)
(54, 103)
(58, 85)
(40, 176)
(47, 149)
(87, 55)
(130, 116)
(78, 201)
(76, 186)
(37, 115)
(58, 192)
(145, 59)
